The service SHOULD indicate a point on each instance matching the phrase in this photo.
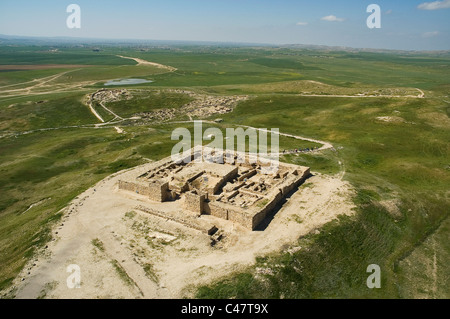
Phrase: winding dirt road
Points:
(144, 62)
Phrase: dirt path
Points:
(144, 62)
(325, 145)
(420, 96)
(40, 83)
(93, 111)
(434, 269)
(422, 93)
(111, 112)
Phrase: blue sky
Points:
(405, 24)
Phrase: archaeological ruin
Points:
(236, 190)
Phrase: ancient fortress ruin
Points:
(238, 191)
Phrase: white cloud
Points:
(430, 34)
(436, 5)
(389, 11)
(332, 18)
(302, 23)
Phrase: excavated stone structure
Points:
(239, 192)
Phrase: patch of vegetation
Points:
(298, 219)
(122, 273)
(130, 215)
(41, 113)
(47, 287)
(150, 272)
(242, 285)
(262, 203)
(99, 244)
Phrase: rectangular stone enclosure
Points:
(241, 192)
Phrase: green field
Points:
(51, 150)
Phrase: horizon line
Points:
(135, 41)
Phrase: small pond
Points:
(127, 82)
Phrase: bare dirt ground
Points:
(125, 253)
(144, 62)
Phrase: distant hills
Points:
(6, 40)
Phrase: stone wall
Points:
(248, 175)
(225, 179)
(156, 191)
(276, 197)
(138, 188)
(241, 217)
(252, 218)
(216, 209)
(274, 200)
(194, 202)
(228, 212)
(159, 192)
(184, 222)
(294, 181)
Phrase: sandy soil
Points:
(145, 256)
(144, 62)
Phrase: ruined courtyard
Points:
(232, 187)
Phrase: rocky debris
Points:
(190, 93)
(393, 119)
(293, 250)
(202, 106)
(108, 95)
(158, 115)
(205, 105)
(264, 271)
(216, 237)
(390, 119)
